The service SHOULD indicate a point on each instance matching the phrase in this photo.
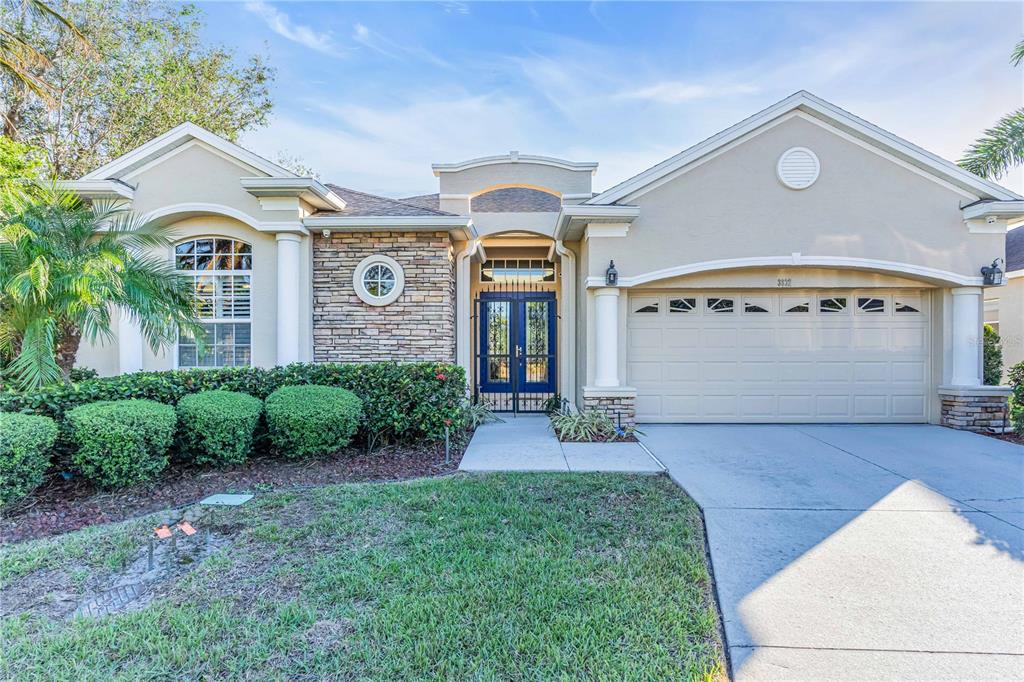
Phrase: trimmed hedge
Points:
(25, 442)
(305, 421)
(402, 402)
(218, 427)
(121, 442)
(1015, 378)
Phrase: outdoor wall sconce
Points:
(991, 274)
(611, 276)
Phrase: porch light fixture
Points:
(991, 274)
(611, 276)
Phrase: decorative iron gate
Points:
(515, 346)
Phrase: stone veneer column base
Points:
(975, 408)
(619, 403)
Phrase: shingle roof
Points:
(1015, 249)
(362, 204)
(516, 200)
(431, 201)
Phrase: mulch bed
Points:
(1009, 437)
(60, 505)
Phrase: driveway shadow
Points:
(859, 539)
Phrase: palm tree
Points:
(23, 62)
(1001, 147)
(64, 265)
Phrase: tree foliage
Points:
(148, 71)
(992, 357)
(64, 265)
(22, 170)
(1001, 147)
(20, 60)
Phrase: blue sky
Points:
(370, 94)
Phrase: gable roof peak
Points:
(834, 116)
(179, 135)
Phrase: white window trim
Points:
(176, 364)
(364, 295)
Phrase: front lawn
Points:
(510, 576)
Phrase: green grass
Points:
(503, 577)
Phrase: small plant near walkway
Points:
(589, 426)
(502, 577)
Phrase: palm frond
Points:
(999, 149)
(35, 365)
(1018, 54)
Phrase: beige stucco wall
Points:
(734, 206)
(104, 357)
(480, 178)
(1010, 313)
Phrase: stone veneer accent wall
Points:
(614, 406)
(420, 325)
(983, 412)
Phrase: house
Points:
(802, 265)
(1004, 306)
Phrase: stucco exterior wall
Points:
(863, 205)
(420, 325)
(480, 178)
(1011, 320)
(198, 175)
(103, 357)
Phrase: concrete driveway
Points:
(860, 552)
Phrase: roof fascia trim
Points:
(175, 137)
(810, 104)
(308, 189)
(564, 164)
(98, 189)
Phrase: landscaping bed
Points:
(63, 505)
(506, 576)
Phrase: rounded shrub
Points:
(304, 421)
(25, 442)
(218, 427)
(121, 442)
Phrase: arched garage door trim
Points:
(934, 275)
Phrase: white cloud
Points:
(388, 148)
(392, 49)
(677, 92)
(282, 24)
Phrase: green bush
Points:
(588, 426)
(121, 442)
(218, 427)
(25, 442)
(304, 421)
(992, 359)
(402, 402)
(1015, 378)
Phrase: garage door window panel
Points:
(646, 306)
(794, 305)
(757, 304)
(682, 305)
(720, 305)
(832, 304)
(871, 305)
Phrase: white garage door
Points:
(770, 356)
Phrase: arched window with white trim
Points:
(221, 272)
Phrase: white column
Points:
(129, 344)
(606, 337)
(289, 273)
(966, 355)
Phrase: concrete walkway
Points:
(860, 552)
(527, 443)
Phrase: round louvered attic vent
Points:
(798, 168)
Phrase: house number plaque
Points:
(785, 282)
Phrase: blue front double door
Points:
(517, 343)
